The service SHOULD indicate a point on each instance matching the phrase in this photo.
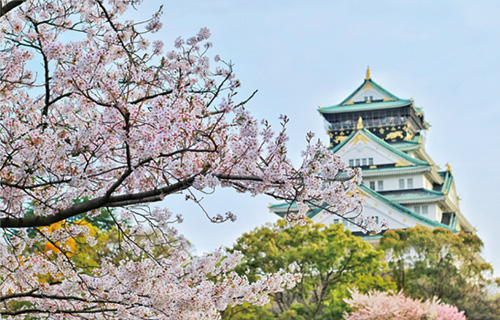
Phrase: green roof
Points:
(371, 237)
(382, 198)
(448, 181)
(373, 84)
(364, 106)
(283, 205)
(389, 101)
(382, 143)
(293, 205)
(404, 210)
(408, 144)
(392, 101)
(396, 170)
(392, 149)
(413, 195)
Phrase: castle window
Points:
(366, 98)
(410, 183)
(422, 209)
(380, 185)
(401, 183)
(360, 162)
(372, 185)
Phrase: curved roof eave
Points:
(405, 210)
(364, 106)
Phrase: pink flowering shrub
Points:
(389, 305)
(94, 116)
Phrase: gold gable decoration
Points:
(360, 138)
(360, 124)
(339, 139)
(394, 135)
(401, 163)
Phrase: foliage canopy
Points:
(427, 263)
(330, 259)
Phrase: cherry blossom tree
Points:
(97, 117)
(378, 305)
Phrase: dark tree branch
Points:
(239, 178)
(18, 295)
(38, 311)
(4, 9)
(108, 200)
(86, 206)
(165, 93)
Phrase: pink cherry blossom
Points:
(95, 119)
(389, 305)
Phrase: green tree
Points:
(330, 259)
(425, 263)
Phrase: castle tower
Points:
(381, 133)
(388, 117)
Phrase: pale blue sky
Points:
(305, 54)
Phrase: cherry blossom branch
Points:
(114, 122)
(100, 202)
(4, 9)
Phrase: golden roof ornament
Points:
(448, 168)
(360, 124)
(368, 73)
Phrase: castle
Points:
(384, 135)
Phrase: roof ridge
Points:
(374, 104)
(393, 149)
(404, 209)
(382, 143)
(373, 84)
